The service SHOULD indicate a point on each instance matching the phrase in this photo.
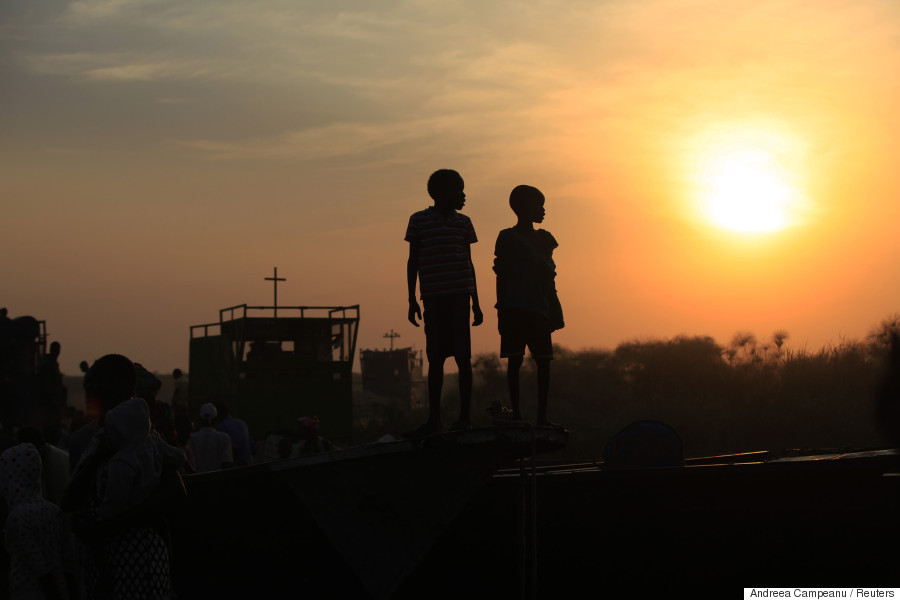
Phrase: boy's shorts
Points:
(447, 327)
(520, 328)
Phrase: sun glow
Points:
(748, 182)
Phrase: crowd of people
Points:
(128, 451)
(86, 497)
(101, 531)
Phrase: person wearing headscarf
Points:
(120, 491)
(55, 471)
(35, 533)
(134, 471)
(310, 442)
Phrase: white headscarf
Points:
(135, 469)
(20, 474)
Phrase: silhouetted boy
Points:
(440, 257)
(528, 308)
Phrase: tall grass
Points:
(748, 395)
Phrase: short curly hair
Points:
(441, 180)
(523, 194)
(111, 380)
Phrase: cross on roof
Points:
(275, 279)
(392, 335)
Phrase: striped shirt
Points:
(444, 265)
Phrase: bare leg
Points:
(465, 390)
(435, 386)
(543, 381)
(513, 365)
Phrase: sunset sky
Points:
(709, 167)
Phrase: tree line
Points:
(750, 394)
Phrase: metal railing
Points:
(242, 310)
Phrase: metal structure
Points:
(392, 336)
(23, 347)
(395, 373)
(273, 364)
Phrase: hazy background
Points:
(158, 158)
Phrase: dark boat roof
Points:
(500, 445)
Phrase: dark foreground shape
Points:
(642, 445)
(709, 529)
(393, 520)
(347, 524)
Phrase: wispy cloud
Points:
(339, 139)
(495, 67)
(83, 11)
(137, 72)
(126, 67)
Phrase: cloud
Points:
(84, 11)
(149, 71)
(338, 139)
(125, 67)
(562, 73)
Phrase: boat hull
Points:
(351, 523)
(432, 519)
(814, 522)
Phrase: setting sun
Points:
(746, 194)
(747, 181)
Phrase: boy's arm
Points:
(412, 271)
(478, 316)
(500, 266)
